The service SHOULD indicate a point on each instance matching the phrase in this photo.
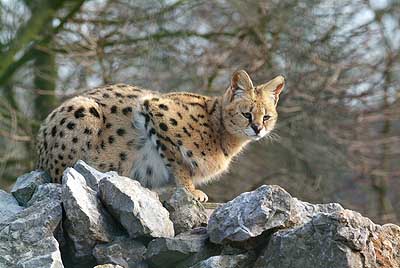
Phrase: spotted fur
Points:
(156, 138)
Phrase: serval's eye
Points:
(266, 117)
(247, 115)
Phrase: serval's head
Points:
(250, 111)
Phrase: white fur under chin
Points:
(252, 135)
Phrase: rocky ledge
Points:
(104, 220)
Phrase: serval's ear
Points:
(241, 85)
(274, 87)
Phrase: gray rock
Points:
(225, 261)
(26, 239)
(138, 209)
(302, 212)
(26, 185)
(250, 214)
(165, 252)
(8, 206)
(46, 191)
(87, 222)
(340, 239)
(91, 175)
(123, 251)
(266, 208)
(185, 211)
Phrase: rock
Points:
(8, 206)
(165, 252)
(26, 185)
(26, 239)
(46, 191)
(302, 212)
(386, 244)
(123, 251)
(250, 214)
(185, 211)
(138, 209)
(91, 175)
(87, 222)
(266, 208)
(225, 261)
(341, 239)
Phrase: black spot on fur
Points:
(57, 171)
(94, 112)
(74, 139)
(89, 145)
(203, 153)
(152, 131)
(163, 126)
(173, 121)
(163, 147)
(194, 118)
(178, 135)
(70, 157)
(146, 104)
(149, 171)
(53, 131)
(131, 96)
(121, 132)
(122, 156)
(111, 139)
(88, 131)
(113, 109)
(80, 112)
(70, 108)
(187, 132)
(61, 134)
(179, 115)
(106, 95)
(159, 114)
(118, 95)
(102, 145)
(63, 147)
(189, 153)
(60, 157)
(196, 144)
(163, 107)
(127, 110)
(99, 132)
(71, 125)
(179, 142)
(63, 121)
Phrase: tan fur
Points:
(154, 137)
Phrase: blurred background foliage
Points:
(338, 137)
